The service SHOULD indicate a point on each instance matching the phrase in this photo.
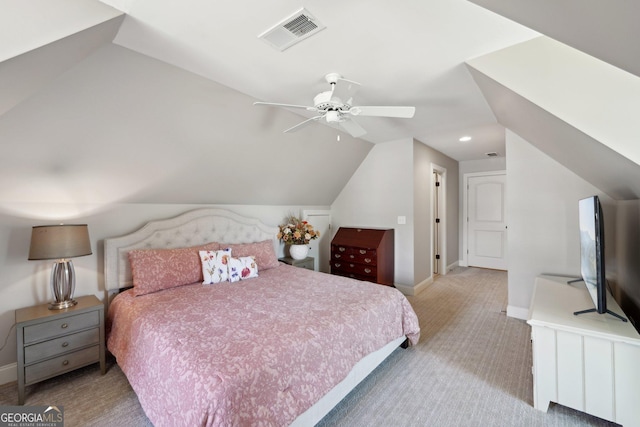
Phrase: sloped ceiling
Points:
(576, 107)
(411, 54)
(157, 107)
(605, 30)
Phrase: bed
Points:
(282, 348)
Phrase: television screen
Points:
(591, 253)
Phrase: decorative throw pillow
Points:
(215, 266)
(242, 268)
(153, 270)
(263, 252)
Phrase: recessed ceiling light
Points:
(465, 139)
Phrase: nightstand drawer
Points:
(47, 349)
(58, 365)
(57, 327)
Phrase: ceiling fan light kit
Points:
(335, 106)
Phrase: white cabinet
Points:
(589, 362)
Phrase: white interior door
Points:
(320, 248)
(487, 221)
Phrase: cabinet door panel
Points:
(570, 370)
(627, 378)
(544, 368)
(598, 385)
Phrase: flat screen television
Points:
(592, 266)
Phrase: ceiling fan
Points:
(335, 106)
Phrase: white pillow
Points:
(242, 268)
(215, 266)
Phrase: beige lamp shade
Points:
(59, 241)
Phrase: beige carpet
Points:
(472, 367)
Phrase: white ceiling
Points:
(408, 54)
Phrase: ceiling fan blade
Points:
(276, 104)
(344, 90)
(302, 124)
(353, 128)
(388, 111)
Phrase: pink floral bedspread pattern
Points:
(258, 352)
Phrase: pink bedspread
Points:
(257, 352)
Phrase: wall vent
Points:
(292, 30)
(491, 154)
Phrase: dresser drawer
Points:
(352, 276)
(360, 255)
(57, 327)
(367, 271)
(67, 343)
(49, 368)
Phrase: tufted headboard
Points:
(188, 229)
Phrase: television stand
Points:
(593, 310)
(588, 363)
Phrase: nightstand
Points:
(52, 342)
(308, 262)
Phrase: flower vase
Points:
(298, 251)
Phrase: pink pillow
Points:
(153, 270)
(263, 252)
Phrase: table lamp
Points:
(60, 242)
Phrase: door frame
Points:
(306, 213)
(464, 262)
(442, 171)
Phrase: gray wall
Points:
(623, 269)
(395, 180)
(424, 160)
(379, 191)
(542, 201)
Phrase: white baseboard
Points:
(8, 373)
(518, 312)
(414, 290)
(452, 266)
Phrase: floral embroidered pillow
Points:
(242, 268)
(215, 266)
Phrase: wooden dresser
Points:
(364, 254)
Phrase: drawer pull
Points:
(367, 270)
(367, 260)
(351, 256)
(362, 251)
(337, 264)
(337, 255)
(342, 249)
(64, 326)
(65, 344)
(65, 362)
(351, 265)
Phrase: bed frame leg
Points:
(405, 343)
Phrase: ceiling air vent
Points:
(292, 30)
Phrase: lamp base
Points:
(63, 283)
(62, 304)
